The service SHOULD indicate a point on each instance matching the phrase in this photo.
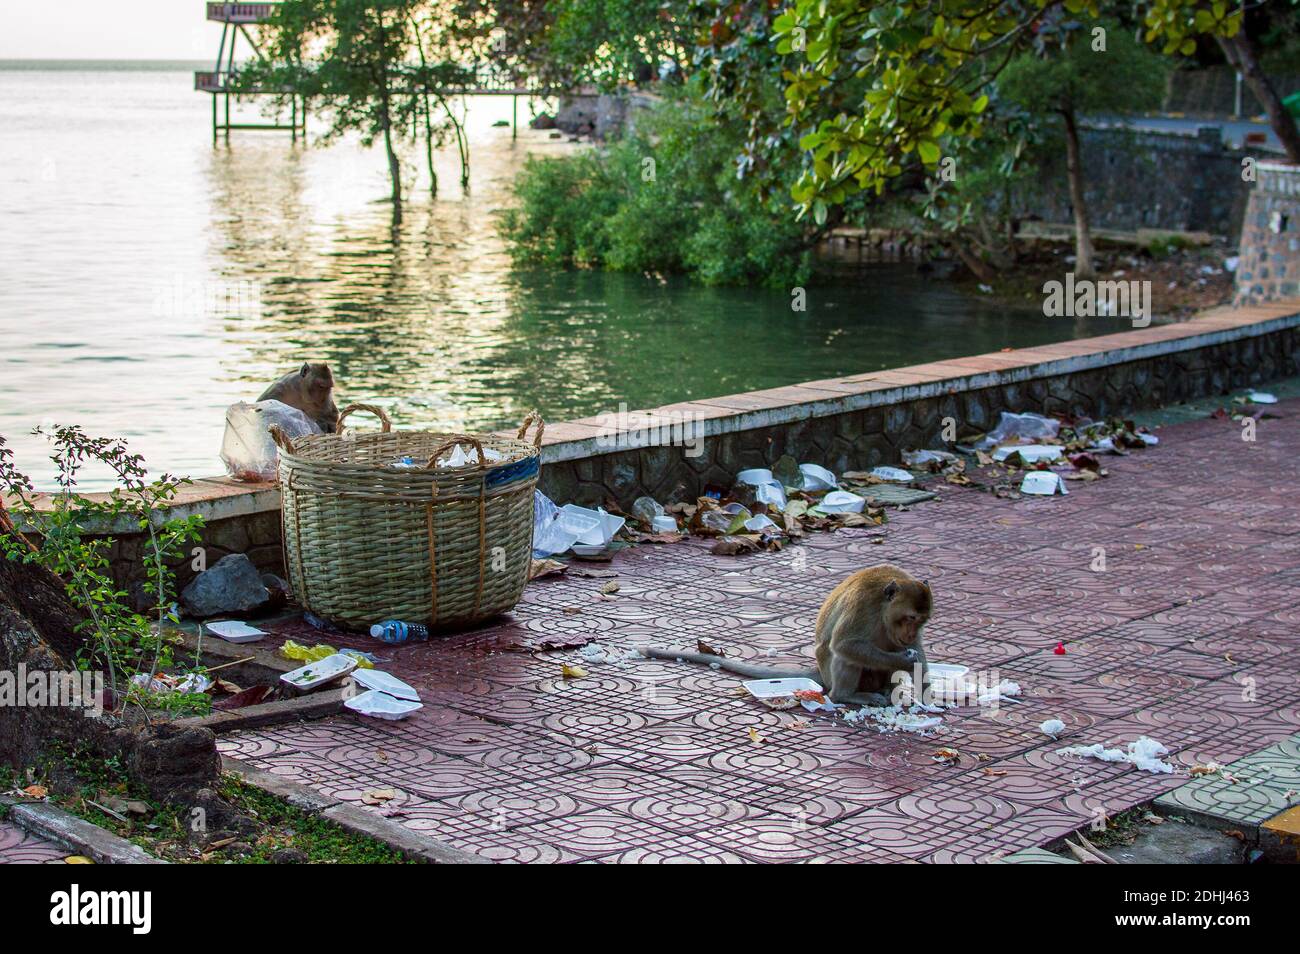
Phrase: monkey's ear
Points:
(891, 590)
(302, 372)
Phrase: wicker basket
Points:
(365, 541)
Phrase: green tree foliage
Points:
(664, 199)
(925, 67)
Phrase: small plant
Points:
(124, 641)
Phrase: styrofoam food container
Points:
(755, 476)
(604, 528)
(893, 475)
(776, 688)
(385, 682)
(946, 672)
(380, 705)
(1043, 483)
(816, 477)
(316, 674)
(841, 501)
(235, 631)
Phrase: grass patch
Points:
(1121, 830)
(99, 791)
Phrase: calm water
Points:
(148, 279)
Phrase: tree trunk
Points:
(1083, 253)
(394, 169)
(38, 595)
(1241, 53)
(428, 146)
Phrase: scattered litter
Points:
(894, 475)
(1004, 691)
(1209, 768)
(1020, 427)
(459, 457)
(316, 674)
(946, 756)
(760, 523)
(1145, 754)
(234, 631)
(380, 705)
(397, 631)
(1059, 650)
(932, 460)
(377, 796)
(774, 688)
(817, 479)
(1052, 727)
(755, 737)
(570, 671)
(536, 569)
(164, 683)
(610, 588)
(1028, 453)
(386, 683)
(841, 501)
(916, 718)
(1261, 397)
(595, 654)
(1043, 483)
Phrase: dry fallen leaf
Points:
(755, 737)
(705, 649)
(36, 791)
(378, 796)
(538, 568)
(610, 587)
(77, 860)
(570, 671)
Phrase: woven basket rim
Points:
(515, 451)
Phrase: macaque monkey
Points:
(311, 390)
(868, 629)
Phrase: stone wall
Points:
(1270, 237)
(1148, 180)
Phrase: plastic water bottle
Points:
(395, 631)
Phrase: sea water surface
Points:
(149, 278)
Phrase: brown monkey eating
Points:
(311, 390)
(868, 629)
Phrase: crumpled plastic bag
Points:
(247, 449)
(1020, 428)
(307, 654)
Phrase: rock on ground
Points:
(232, 585)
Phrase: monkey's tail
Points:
(730, 665)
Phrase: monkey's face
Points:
(907, 611)
(319, 379)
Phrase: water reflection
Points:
(428, 319)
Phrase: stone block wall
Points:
(1269, 269)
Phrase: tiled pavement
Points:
(18, 847)
(1188, 636)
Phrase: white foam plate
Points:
(946, 672)
(776, 688)
(380, 705)
(385, 682)
(233, 631)
(316, 674)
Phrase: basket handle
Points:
(281, 438)
(452, 441)
(373, 409)
(533, 417)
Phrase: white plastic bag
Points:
(1023, 428)
(247, 449)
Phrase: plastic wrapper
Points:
(247, 449)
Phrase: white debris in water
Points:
(1006, 689)
(1052, 727)
(1145, 754)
